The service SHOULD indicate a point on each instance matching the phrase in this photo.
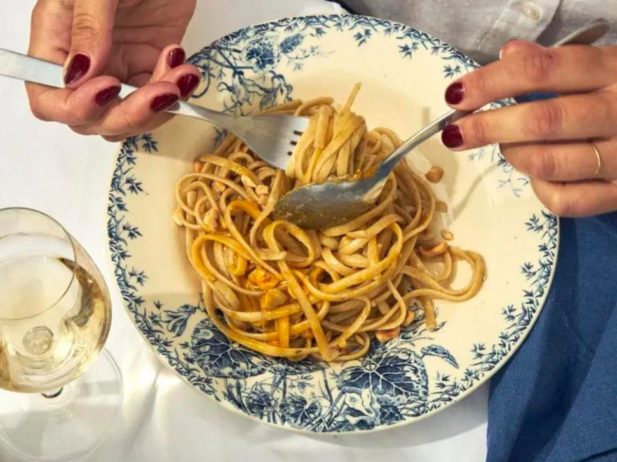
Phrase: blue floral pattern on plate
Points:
(392, 383)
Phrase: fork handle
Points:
(36, 70)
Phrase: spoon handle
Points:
(418, 138)
(584, 36)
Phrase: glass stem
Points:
(54, 394)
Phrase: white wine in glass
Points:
(55, 315)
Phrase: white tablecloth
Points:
(47, 167)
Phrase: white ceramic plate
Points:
(492, 210)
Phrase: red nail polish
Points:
(176, 57)
(78, 67)
(162, 102)
(452, 136)
(105, 96)
(187, 84)
(455, 93)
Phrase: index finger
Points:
(50, 30)
(50, 38)
(533, 68)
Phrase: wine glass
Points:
(55, 315)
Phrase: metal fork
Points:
(271, 136)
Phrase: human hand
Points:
(103, 43)
(551, 140)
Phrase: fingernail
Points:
(455, 93)
(105, 96)
(162, 102)
(187, 84)
(452, 136)
(176, 57)
(78, 67)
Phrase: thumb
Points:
(91, 40)
(516, 46)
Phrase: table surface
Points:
(47, 167)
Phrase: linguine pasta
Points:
(288, 292)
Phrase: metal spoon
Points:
(333, 203)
